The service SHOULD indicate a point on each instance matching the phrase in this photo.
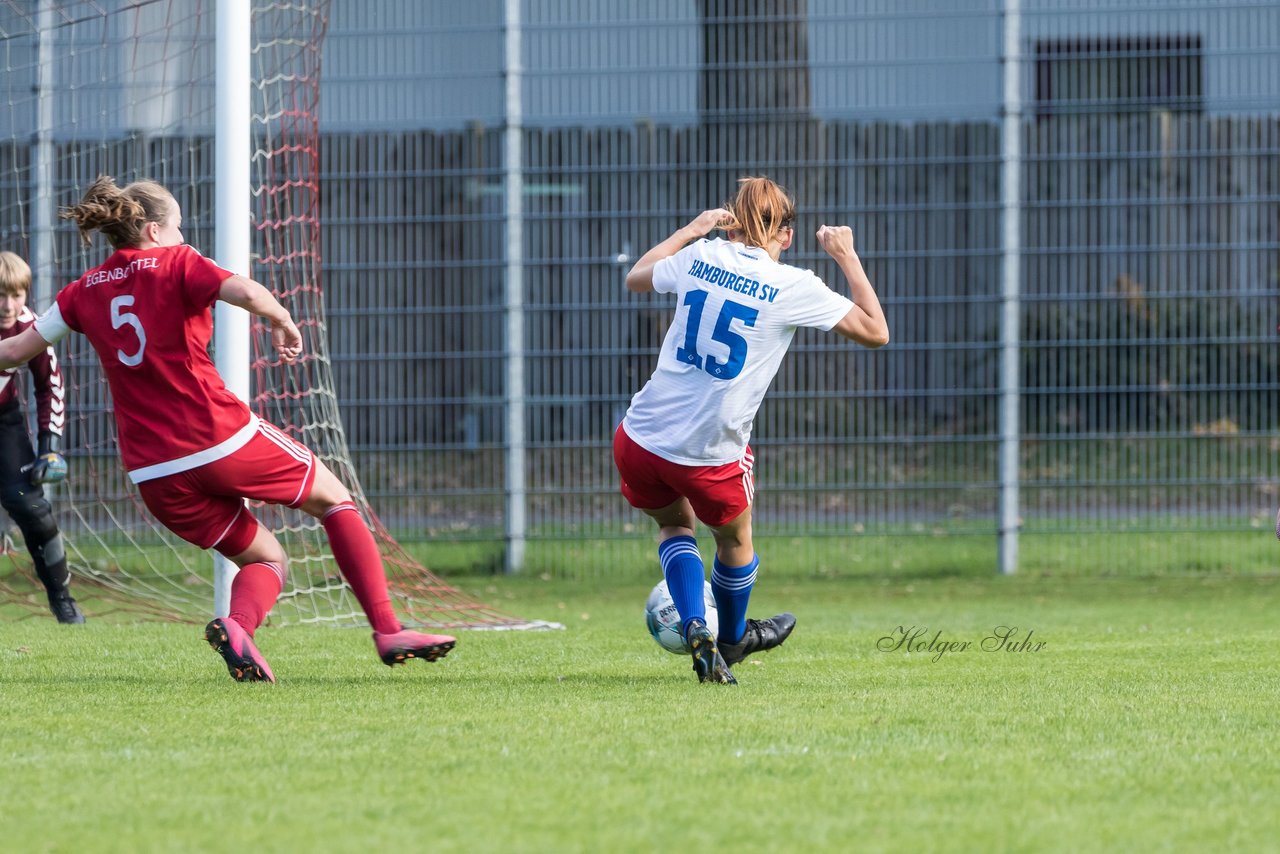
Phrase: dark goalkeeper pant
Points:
(26, 502)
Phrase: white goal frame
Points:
(232, 200)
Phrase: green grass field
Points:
(1145, 722)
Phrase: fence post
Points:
(1010, 287)
(42, 197)
(514, 298)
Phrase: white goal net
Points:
(127, 89)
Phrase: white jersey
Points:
(738, 311)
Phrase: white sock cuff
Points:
(733, 582)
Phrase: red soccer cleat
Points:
(235, 646)
(399, 647)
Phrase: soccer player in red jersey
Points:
(22, 473)
(193, 449)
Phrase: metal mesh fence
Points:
(1147, 218)
(1149, 211)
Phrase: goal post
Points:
(231, 202)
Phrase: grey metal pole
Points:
(514, 298)
(1010, 288)
(41, 249)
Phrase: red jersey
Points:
(51, 412)
(147, 314)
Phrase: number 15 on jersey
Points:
(723, 332)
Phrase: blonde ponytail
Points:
(120, 214)
(760, 211)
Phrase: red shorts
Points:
(718, 494)
(205, 505)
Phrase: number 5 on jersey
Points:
(124, 318)
(723, 332)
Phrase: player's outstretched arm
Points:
(865, 322)
(21, 348)
(255, 299)
(640, 278)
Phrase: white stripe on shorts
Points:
(747, 464)
(270, 431)
(227, 529)
(273, 434)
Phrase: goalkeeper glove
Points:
(49, 465)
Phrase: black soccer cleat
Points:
(65, 609)
(707, 661)
(760, 635)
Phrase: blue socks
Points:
(686, 577)
(731, 586)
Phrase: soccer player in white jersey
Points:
(193, 449)
(682, 449)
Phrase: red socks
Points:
(257, 585)
(357, 555)
(253, 591)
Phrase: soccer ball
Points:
(663, 620)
